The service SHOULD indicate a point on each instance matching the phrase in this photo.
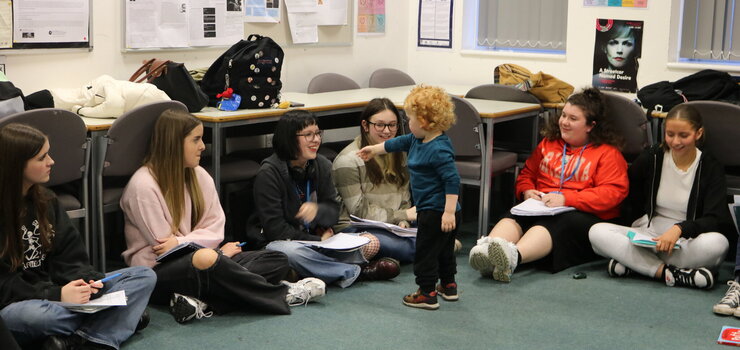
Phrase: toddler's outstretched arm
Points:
(368, 152)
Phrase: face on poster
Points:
(616, 54)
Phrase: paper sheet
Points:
(6, 24)
(534, 207)
(340, 241)
(262, 11)
(103, 302)
(370, 17)
(211, 24)
(397, 230)
(156, 23)
(51, 21)
(332, 12)
(303, 27)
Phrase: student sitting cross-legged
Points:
(172, 200)
(43, 260)
(579, 165)
(677, 196)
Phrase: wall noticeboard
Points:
(39, 24)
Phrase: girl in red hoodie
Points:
(577, 164)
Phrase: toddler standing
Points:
(435, 185)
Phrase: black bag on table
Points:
(251, 68)
(174, 79)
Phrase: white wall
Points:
(35, 71)
(454, 66)
(396, 49)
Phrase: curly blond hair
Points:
(432, 105)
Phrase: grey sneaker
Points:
(504, 256)
(729, 303)
(697, 278)
(616, 269)
(305, 290)
(184, 308)
(478, 257)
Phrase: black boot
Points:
(62, 342)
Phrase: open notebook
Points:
(103, 302)
(534, 207)
(397, 230)
(340, 241)
(642, 240)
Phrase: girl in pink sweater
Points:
(171, 201)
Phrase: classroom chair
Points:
(721, 131)
(327, 82)
(389, 77)
(118, 155)
(70, 149)
(508, 135)
(469, 144)
(630, 121)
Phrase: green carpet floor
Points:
(537, 310)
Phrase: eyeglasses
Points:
(310, 136)
(379, 127)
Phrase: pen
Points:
(106, 279)
(241, 244)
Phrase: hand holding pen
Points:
(232, 248)
(532, 194)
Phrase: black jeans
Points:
(435, 250)
(247, 281)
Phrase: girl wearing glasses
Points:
(377, 190)
(579, 165)
(296, 200)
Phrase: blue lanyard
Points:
(308, 199)
(563, 179)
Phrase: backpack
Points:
(707, 84)
(11, 99)
(252, 68)
(544, 86)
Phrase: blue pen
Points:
(241, 244)
(106, 279)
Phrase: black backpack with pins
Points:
(251, 68)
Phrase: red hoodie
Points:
(598, 186)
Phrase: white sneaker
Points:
(503, 255)
(184, 308)
(305, 290)
(479, 259)
(730, 302)
(700, 278)
(458, 245)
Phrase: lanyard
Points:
(563, 179)
(308, 199)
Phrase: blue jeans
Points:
(402, 249)
(327, 265)
(33, 319)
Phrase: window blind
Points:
(710, 30)
(522, 24)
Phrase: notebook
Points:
(339, 241)
(397, 230)
(103, 302)
(642, 240)
(179, 250)
(729, 336)
(534, 207)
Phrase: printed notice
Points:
(435, 23)
(51, 21)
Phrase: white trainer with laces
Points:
(730, 302)
(479, 259)
(305, 290)
(697, 278)
(503, 255)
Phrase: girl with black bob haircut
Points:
(298, 201)
(43, 260)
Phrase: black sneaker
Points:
(697, 278)
(616, 269)
(184, 308)
(448, 292)
(143, 320)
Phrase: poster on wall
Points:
(616, 3)
(616, 54)
(370, 17)
(267, 11)
(435, 23)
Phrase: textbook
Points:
(397, 230)
(103, 302)
(179, 250)
(642, 240)
(534, 207)
(729, 336)
(339, 241)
